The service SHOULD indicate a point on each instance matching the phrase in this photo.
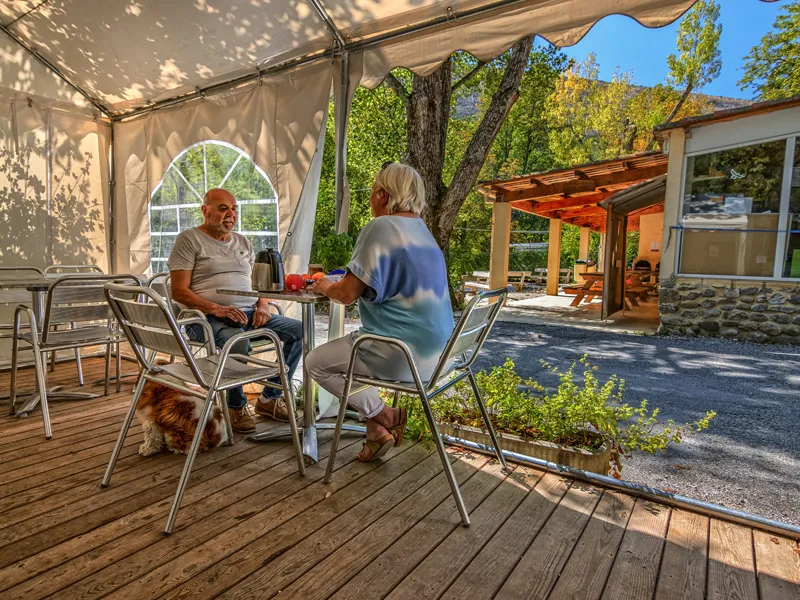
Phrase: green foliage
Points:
(698, 60)
(334, 251)
(581, 412)
(772, 69)
(631, 247)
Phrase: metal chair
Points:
(458, 357)
(160, 282)
(151, 328)
(66, 270)
(15, 296)
(72, 299)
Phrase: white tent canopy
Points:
(141, 80)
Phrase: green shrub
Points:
(333, 251)
(581, 411)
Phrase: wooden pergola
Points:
(569, 195)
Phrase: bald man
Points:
(213, 256)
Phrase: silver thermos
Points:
(268, 273)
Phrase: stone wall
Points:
(732, 309)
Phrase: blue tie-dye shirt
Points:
(407, 296)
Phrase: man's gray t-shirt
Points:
(214, 265)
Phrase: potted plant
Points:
(582, 423)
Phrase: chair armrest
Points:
(188, 313)
(31, 319)
(247, 335)
(392, 342)
(276, 307)
(207, 331)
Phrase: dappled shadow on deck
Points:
(251, 527)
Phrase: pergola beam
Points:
(576, 186)
(549, 206)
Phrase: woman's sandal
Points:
(399, 430)
(377, 448)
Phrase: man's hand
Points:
(230, 312)
(261, 316)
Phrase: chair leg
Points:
(126, 425)
(448, 468)
(118, 370)
(78, 360)
(187, 467)
(40, 366)
(226, 417)
(108, 369)
(339, 422)
(14, 361)
(497, 449)
(288, 395)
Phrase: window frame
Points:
(177, 207)
(783, 210)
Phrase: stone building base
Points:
(728, 308)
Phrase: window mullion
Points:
(783, 219)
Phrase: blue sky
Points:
(621, 42)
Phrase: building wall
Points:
(759, 310)
(651, 230)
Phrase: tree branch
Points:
(468, 76)
(472, 162)
(682, 99)
(399, 89)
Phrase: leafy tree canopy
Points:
(772, 69)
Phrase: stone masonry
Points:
(732, 309)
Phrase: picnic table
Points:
(479, 280)
(592, 286)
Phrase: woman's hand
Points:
(345, 291)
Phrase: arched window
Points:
(175, 202)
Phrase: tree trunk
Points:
(428, 116)
(682, 99)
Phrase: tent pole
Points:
(342, 113)
(112, 213)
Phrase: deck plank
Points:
(131, 547)
(778, 564)
(635, 569)
(539, 568)
(243, 549)
(683, 565)
(356, 551)
(439, 569)
(587, 570)
(250, 527)
(485, 575)
(731, 574)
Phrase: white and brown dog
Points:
(169, 419)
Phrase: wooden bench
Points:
(479, 280)
(564, 275)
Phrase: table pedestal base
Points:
(53, 394)
(309, 437)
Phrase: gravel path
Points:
(749, 458)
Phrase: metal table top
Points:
(302, 297)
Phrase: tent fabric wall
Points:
(278, 122)
(53, 186)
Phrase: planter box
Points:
(594, 461)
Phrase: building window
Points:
(732, 212)
(791, 261)
(175, 202)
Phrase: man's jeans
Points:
(290, 332)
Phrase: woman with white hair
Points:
(398, 275)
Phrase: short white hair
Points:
(404, 186)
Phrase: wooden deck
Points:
(251, 528)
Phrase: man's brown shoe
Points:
(274, 409)
(241, 421)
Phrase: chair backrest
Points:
(161, 283)
(471, 331)
(76, 299)
(15, 295)
(149, 325)
(65, 269)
